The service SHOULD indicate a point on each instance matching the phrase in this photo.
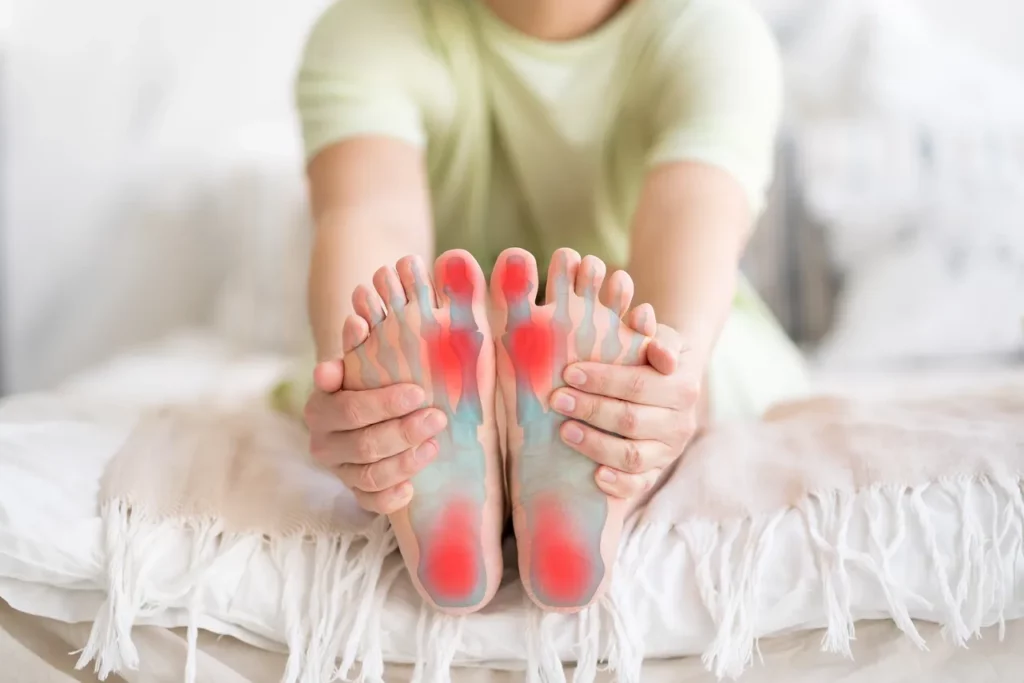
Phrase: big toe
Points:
(458, 279)
(514, 279)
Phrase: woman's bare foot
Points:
(567, 528)
(450, 533)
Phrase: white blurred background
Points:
(152, 181)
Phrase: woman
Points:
(639, 133)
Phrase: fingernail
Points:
(575, 377)
(411, 399)
(572, 433)
(606, 476)
(425, 452)
(403, 491)
(434, 422)
(564, 403)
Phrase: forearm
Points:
(347, 250)
(370, 208)
(690, 228)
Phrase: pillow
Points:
(825, 514)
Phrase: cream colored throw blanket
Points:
(900, 510)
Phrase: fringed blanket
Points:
(825, 513)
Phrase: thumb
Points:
(661, 358)
(328, 376)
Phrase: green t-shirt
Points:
(541, 144)
(544, 145)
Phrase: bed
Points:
(198, 364)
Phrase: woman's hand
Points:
(633, 420)
(373, 440)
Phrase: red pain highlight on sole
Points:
(531, 347)
(444, 349)
(562, 566)
(451, 564)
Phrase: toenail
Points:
(575, 377)
(573, 434)
(564, 403)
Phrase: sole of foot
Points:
(567, 529)
(434, 332)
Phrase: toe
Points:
(368, 305)
(415, 283)
(562, 275)
(354, 332)
(618, 292)
(590, 277)
(387, 284)
(514, 279)
(641, 319)
(458, 279)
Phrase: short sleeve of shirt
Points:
(718, 93)
(363, 72)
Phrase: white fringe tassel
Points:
(974, 582)
(437, 642)
(331, 597)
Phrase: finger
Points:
(641, 319)
(624, 485)
(385, 502)
(348, 410)
(389, 472)
(662, 358)
(630, 420)
(637, 384)
(383, 440)
(627, 455)
(668, 346)
(328, 376)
